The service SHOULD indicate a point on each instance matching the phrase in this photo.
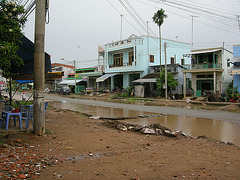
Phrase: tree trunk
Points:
(160, 48)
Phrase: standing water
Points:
(216, 129)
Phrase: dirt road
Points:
(77, 147)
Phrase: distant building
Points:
(58, 67)
(235, 70)
(128, 60)
(209, 70)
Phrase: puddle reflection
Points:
(216, 129)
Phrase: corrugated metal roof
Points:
(104, 77)
(151, 80)
(70, 82)
(205, 51)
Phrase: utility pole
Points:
(148, 42)
(192, 30)
(39, 69)
(165, 50)
(75, 76)
(121, 28)
(238, 21)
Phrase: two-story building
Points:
(58, 67)
(209, 70)
(235, 70)
(128, 60)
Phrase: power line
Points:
(193, 12)
(123, 16)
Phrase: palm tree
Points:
(158, 18)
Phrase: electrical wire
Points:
(183, 16)
(123, 16)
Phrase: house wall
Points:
(142, 47)
(236, 82)
(236, 50)
(226, 77)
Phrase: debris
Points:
(154, 129)
(148, 131)
(188, 100)
(92, 117)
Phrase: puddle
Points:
(220, 130)
(216, 129)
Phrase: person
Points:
(23, 95)
(192, 92)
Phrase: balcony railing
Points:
(203, 66)
(123, 65)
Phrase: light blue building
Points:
(128, 60)
(235, 70)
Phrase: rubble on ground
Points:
(154, 129)
(19, 160)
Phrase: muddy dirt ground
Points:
(76, 147)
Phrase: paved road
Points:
(217, 115)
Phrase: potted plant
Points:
(16, 107)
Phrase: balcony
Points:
(119, 66)
(203, 66)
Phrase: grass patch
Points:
(48, 131)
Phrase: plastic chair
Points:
(7, 108)
(7, 113)
(28, 115)
(46, 104)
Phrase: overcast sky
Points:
(77, 27)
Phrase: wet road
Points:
(216, 115)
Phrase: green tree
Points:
(158, 18)
(171, 83)
(232, 92)
(11, 24)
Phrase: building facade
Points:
(128, 60)
(58, 67)
(209, 70)
(235, 70)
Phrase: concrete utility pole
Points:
(75, 78)
(121, 27)
(39, 69)
(192, 30)
(165, 49)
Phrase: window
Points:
(172, 60)
(182, 62)
(152, 58)
(228, 63)
(118, 60)
(130, 58)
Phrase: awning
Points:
(201, 52)
(235, 59)
(70, 82)
(205, 51)
(24, 81)
(26, 52)
(152, 80)
(104, 77)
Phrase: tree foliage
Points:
(171, 83)
(159, 17)
(232, 92)
(11, 25)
